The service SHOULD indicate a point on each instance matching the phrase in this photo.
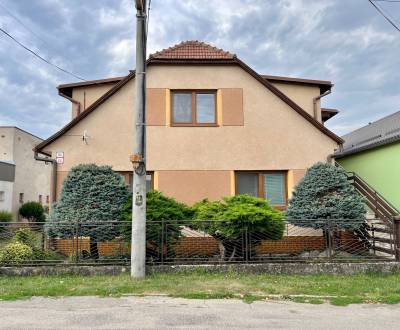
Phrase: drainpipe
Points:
(316, 99)
(54, 179)
(78, 104)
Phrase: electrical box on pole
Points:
(138, 157)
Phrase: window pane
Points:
(247, 183)
(182, 112)
(274, 188)
(205, 108)
(149, 183)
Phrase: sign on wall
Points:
(60, 157)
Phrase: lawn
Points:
(336, 289)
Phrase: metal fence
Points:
(197, 241)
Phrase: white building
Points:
(22, 179)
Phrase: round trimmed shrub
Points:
(33, 211)
(15, 253)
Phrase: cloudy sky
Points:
(347, 42)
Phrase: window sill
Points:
(194, 125)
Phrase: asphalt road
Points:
(170, 313)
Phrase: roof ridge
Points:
(372, 123)
(208, 52)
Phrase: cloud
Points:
(346, 42)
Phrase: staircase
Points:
(381, 231)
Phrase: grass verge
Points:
(315, 289)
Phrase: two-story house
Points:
(215, 127)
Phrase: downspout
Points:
(316, 99)
(54, 179)
(78, 104)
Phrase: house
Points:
(215, 127)
(373, 152)
(7, 177)
(22, 179)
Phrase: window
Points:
(2, 196)
(47, 199)
(21, 197)
(193, 108)
(149, 181)
(268, 185)
(40, 199)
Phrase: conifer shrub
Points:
(33, 211)
(325, 193)
(92, 196)
(234, 218)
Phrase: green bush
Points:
(26, 236)
(15, 253)
(158, 208)
(237, 216)
(5, 216)
(33, 211)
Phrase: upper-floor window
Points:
(268, 185)
(2, 196)
(194, 108)
(40, 199)
(21, 197)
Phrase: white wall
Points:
(7, 188)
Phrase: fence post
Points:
(246, 244)
(76, 252)
(162, 242)
(329, 234)
(396, 236)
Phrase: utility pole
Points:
(138, 158)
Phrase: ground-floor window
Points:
(270, 185)
(128, 176)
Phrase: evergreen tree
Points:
(90, 195)
(325, 193)
(235, 217)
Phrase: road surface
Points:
(175, 313)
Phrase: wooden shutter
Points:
(156, 107)
(232, 107)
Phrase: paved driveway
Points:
(170, 313)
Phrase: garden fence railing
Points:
(199, 242)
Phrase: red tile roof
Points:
(192, 49)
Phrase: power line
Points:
(387, 0)
(40, 57)
(384, 15)
(22, 23)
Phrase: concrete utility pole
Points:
(138, 244)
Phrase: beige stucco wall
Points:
(303, 95)
(32, 178)
(193, 186)
(274, 136)
(86, 95)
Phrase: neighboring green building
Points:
(373, 153)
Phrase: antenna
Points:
(85, 136)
